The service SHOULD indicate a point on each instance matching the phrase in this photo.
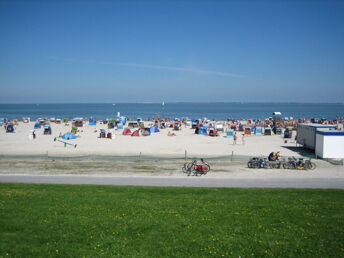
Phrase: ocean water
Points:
(217, 111)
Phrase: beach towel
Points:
(69, 136)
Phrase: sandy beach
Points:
(49, 156)
(157, 144)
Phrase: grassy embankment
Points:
(91, 221)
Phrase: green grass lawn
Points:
(92, 221)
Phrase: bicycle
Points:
(259, 163)
(188, 168)
(196, 169)
(300, 164)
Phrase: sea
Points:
(215, 111)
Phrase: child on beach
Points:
(234, 138)
(243, 139)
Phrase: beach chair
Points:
(102, 133)
(267, 131)
(258, 130)
(202, 130)
(229, 133)
(74, 130)
(47, 130)
(213, 132)
(119, 126)
(247, 130)
(219, 127)
(10, 128)
(37, 125)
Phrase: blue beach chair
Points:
(202, 130)
(229, 133)
(119, 126)
(258, 130)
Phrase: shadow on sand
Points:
(301, 151)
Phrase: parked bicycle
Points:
(196, 169)
(257, 162)
(300, 164)
(290, 163)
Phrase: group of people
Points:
(273, 156)
(235, 138)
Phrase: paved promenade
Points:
(179, 181)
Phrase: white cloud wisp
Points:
(154, 67)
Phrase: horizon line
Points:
(173, 102)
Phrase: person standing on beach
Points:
(243, 139)
(234, 138)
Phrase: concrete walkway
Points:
(333, 183)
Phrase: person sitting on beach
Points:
(203, 162)
(171, 134)
(145, 133)
(272, 156)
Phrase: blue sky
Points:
(134, 51)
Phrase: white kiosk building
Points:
(329, 143)
(325, 140)
(306, 134)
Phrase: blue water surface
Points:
(216, 111)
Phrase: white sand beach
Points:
(157, 144)
(19, 144)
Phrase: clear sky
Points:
(154, 51)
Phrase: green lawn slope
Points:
(105, 221)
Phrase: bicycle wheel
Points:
(268, 165)
(197, 173)
(206, 168)
(185, 168)
(190, 169)
(310, 165)
(255, 164)
(249, 164)
(273, 165)
(285, 165)
(293, 165)
(313, 166)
